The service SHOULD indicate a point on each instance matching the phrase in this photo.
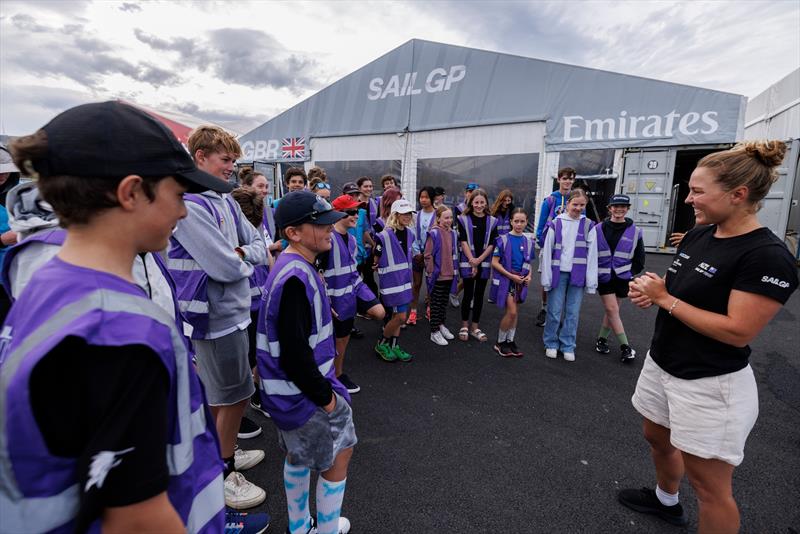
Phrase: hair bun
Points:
(770, 153)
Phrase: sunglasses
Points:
(322, 185)
(351, 213)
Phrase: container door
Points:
(647, 179)
(774, 213)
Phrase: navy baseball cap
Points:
(301, 207)
(472, 186)
(114, 140)
(620, 200)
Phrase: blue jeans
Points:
(565, 299)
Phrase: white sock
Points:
(511, 333)
(502, 336)
(296, 480)
(667, 499)
(329, 505)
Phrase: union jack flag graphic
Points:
(293, 147)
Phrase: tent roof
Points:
(423, 85)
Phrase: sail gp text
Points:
(437, 80)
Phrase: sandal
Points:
(477, 334)
(463, 334)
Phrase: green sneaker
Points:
(384, 350)
(402, 355)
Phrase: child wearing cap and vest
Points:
(296, 351)
(423, 222)
(620, 256)
(348, 294)
(393, 246)
(83, 348)
(552, 206)
(441, 266)
(477, 233)
(511, 262)
(569, 267)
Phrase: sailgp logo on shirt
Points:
(706, 270)
(774, 281)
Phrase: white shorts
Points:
(707, 417)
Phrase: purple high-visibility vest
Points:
(283, 400)
(619, 260)
(52, 236)
(502, 284)
(190, 279)
(503, 223)
(380, 223)
(394, 268)
(577, 277)
(268, 220)
(552, 212)
(257, 281)
(435, 235)
(486, 265)
(343, 283)
(40, 491)
(372, 211)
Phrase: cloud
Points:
(130, 8)
(157, 76)
(27, 23)
(250, 58)
(237, 122)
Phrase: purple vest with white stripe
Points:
(577, 277)
(552, 213)
(52, 236)
(41, 492)
(343, 283)
(502, 284)
(435, 235)
(191, 281)
(283, 400)
(394, 268)
(465, 269)
(503, 223)
(620, 260)
(257, 281)
(268, 220)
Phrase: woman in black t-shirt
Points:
(696, 390)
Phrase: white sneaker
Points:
(438, 338)
(243, 460)
(344, 526)
(454, 302)
(551, 353)
(569, 356)
(241, 494)
(447, 334)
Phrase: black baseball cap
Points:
(299, 207)
(620, 200)
(114, 140)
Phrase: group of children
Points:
(262, 298)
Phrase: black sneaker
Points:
(355, 333)
(255, 403)
(626, 354)
(351, 386)
(248, 429)
(602, 346)
(645, 501)
(514, 349)
(541, 318)
(503, 349)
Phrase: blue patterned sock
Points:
(329, 505)
(296, 480)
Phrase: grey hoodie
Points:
(212, 246)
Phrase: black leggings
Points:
(473, 287)
(438, 297)
(368, 275)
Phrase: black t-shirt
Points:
(297, 357)
(87, 399)
(703, 273)
(478, 233)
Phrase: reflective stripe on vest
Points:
(46, 513)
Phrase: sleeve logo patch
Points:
(774, 281)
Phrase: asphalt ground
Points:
(461, 440)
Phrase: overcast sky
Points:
(239, 63)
